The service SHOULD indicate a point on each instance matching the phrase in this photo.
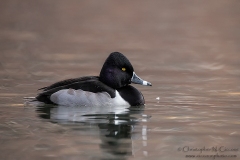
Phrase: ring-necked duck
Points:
(111, 87)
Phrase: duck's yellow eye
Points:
(123, 69)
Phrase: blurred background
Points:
(38, 36)
(188, 49)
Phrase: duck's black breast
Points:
(90, 84)
(131, 95)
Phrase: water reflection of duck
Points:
(115, 125)
(110, 88)
(103, 114)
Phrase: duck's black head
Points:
(117, 71)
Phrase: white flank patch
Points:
(118, 100)
(70, 97)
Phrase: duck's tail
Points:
(29, 101)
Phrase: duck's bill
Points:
(137, 80)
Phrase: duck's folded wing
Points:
(90, 84)
(69, 81)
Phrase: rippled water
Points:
(188, 50)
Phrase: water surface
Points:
(188, 50)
